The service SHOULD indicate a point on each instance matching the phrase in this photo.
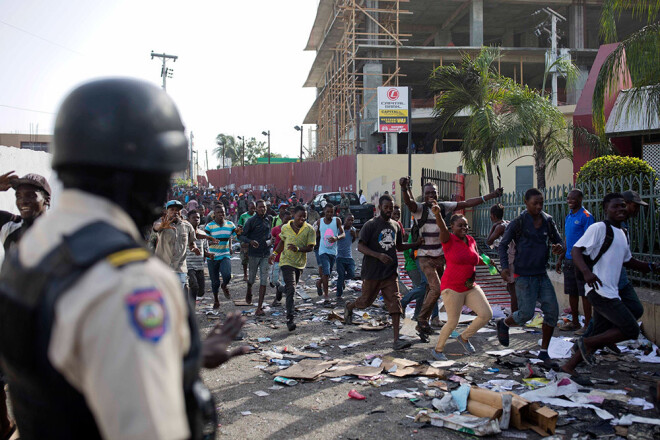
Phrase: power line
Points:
(42, 38)
(26, 109)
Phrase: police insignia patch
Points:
(147, 313)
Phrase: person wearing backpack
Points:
(531, 231)
(430, 256)
(599, 254)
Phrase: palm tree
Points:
(227, 148)
(637, 55)
(541, 123)
(476, 88)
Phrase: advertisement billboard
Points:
(393, 110)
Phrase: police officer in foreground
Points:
(96, 339)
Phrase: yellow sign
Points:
(392, 113)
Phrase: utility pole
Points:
(242, 150)
(192, 144)
(409, 131)
(554, 57)
(267, 134)
(164, 71)
(207, 159)
(550, 60)
(300, 129)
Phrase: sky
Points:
(240, 69)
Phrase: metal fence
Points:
(451, 186)
(644, 230)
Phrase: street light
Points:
(267, 134)
(242, 150)
(300, 129)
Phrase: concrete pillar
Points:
(371, 25)
(392, 143)
(477, 23)
(576, 29)
(442, 38)
(373, 78)
(573, 93)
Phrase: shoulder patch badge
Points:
(147, 313)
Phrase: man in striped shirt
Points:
(430, 256)
(222, 230)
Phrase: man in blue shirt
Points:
(531, 231)
(576, 224)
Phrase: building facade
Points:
(361, 45)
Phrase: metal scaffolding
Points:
(367, 25)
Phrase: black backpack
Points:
(609, 238)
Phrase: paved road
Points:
(322, 410)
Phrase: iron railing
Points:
(644, 230)
(451, 186)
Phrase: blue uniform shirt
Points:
(575, 227)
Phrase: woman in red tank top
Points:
(457, 286)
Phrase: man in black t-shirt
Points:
(380, 238)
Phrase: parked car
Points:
(362, 213)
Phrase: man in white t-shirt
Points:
(430, 256)
(363, 199)
(613, 321)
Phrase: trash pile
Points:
(517, 395)
(505, 392)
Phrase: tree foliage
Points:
(542, 125)
(475, 88)
(637, 56)
(643, 10)
(233, 149)
(228, 147)
(501, 114)
(255, 149)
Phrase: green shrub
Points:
(618, 168)
(183, 182)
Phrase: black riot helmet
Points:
(120, 123)
(120, 139)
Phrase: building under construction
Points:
(363, 44)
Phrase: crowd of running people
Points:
(88, 313)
